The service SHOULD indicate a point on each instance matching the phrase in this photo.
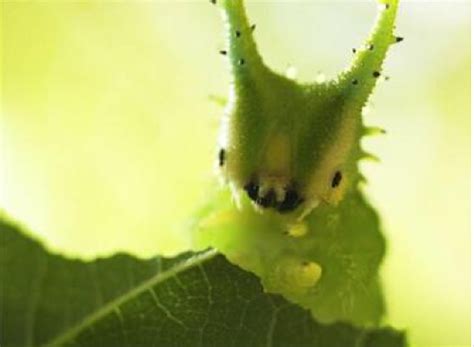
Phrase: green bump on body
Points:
(291, 152)
(292, 275)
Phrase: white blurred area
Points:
(107, 131)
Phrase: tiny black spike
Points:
(223, 52)
(398, 39)
(252, 27)
(354, 50)
(376, 74)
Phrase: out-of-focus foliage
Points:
(107, 131)
(193, 300)
(100, 104)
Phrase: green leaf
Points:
(193, 300)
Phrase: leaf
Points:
(193, 300)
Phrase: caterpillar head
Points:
(289, 146)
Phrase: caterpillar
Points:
(289, 153)
(287, 146)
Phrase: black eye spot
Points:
(252, 190)
(221, 157)
(376, 74)
(336, 180)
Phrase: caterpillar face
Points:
(287, 146)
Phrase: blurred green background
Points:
(108, 133)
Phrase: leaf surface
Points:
(193, 300)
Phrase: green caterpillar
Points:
(289, 153)
(291, 146)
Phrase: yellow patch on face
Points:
(277, 156)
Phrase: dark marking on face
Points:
(376, 74)
(221, 157)
(336, 180)
(292, 201)
(252, 190)
(268, 200)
